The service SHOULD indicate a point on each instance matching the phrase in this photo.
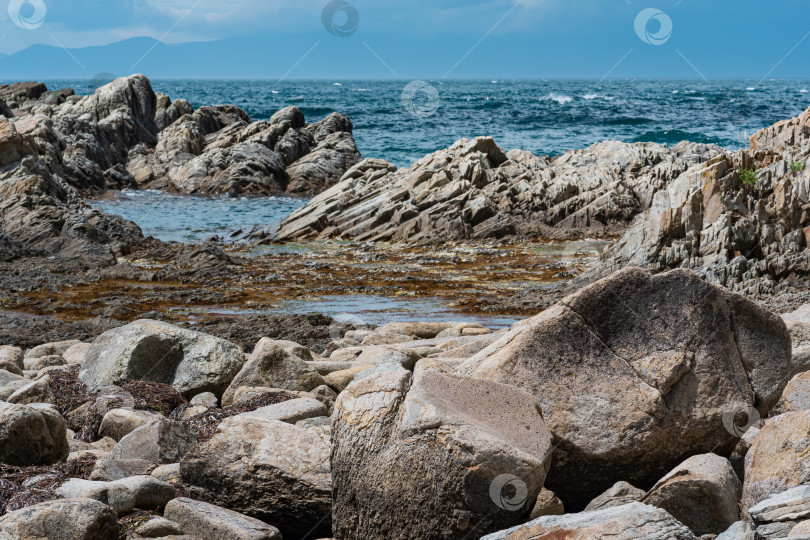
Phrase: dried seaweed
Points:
(68, 388)
(152, 396)
(129, 522)
(26, 486)
(205, 424)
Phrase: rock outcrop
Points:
(55, 148)
(740, 220)
(475, 190)
(218, 150)
(637, 371)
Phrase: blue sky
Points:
(447, 38)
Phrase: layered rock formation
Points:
(750, 238)
(475, 190)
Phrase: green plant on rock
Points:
(748, 176)
(797, 166)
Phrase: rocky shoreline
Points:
(652, 391)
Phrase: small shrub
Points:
(797, 166)
(748, 176)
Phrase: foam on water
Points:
(543, 117)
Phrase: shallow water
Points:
(370, 310)
(192, 219)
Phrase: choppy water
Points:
(544, 117)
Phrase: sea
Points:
(402, 121)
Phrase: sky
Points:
(421, 38)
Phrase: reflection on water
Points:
(372, 310)
(191, 219)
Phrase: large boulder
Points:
(155, 351)
(31, 435)
(637, 371)
(630, 521)
(71, 519)
(439, 456)
(267, 469)
(778, 459)
(272, 366)
(703, 493)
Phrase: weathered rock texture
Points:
(434, 456)
(191, 362)
(266, 469)
(475, 190)
(637, 372)
(54, 147)
(631, 521)
(703, 493)
(778, 460)
(747, 238)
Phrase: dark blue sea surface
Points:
(544, 117)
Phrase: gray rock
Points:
(36, 392)
(118, 423)
(621, 493)
(31, 435)
(12, 355)
(703, 493)
(118, 497)
(291, 411)
(790, 505)
(149, 492)
(630, 521)
(42, 362)
(777, 460)
(433, 457)
(634, 362)
(210, 522)
(206, 399)
(155, 351)
(75, 354)
(51, 349)
(272, 366)
(73, 519)
(740, 530)
(160, 442)
(266, 469)
(158, 527)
